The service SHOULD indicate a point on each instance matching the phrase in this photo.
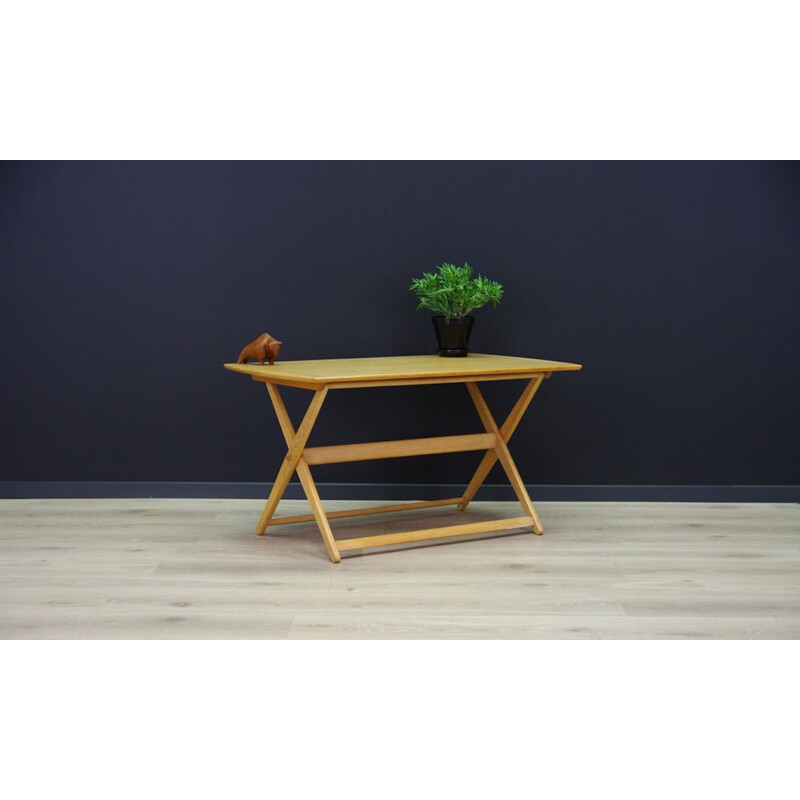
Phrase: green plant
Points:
(453, 292)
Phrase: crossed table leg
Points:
(494, 441)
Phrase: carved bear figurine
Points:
(265, 348)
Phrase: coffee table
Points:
(326, 375)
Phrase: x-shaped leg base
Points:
(296, 441)
(500, 451)
(297, 455)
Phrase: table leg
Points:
(303, 471)
(506, 431)
(504, 456)
(296, 444)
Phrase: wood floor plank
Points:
(192, 569)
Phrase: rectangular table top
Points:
(399, 368)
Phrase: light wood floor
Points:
(193, 569)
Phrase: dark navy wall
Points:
(125, 286)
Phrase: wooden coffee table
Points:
(323, 376)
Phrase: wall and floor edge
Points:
(399, 492)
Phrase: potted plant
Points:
(451, 292)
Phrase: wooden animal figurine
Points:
(265, 348)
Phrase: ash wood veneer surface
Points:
(191, 569)
(399, 369)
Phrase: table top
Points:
(428, 368)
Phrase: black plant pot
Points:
(453, 335)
